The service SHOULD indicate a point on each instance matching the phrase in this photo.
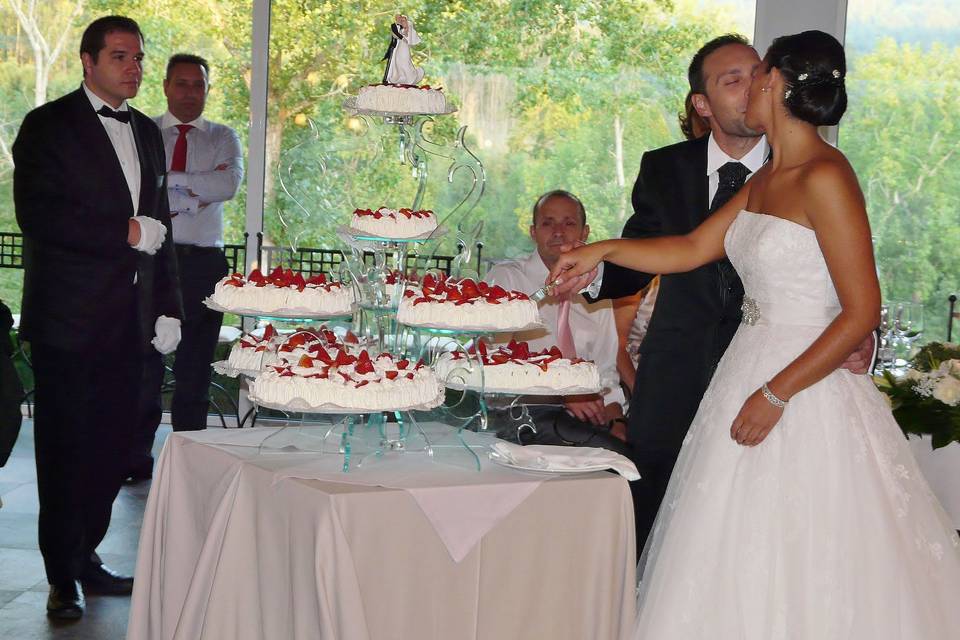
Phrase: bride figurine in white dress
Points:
(400, 69)
(796, 510)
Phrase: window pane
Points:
(218, 30)
(901, 135)
(558, 95)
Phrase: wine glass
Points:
(912, 321)
(885, 351)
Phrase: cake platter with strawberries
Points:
(255, 351)
(336, 381)
(282, 294)
(513, 369)
(466, 306)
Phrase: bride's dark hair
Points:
(813, 66)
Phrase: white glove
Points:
(167, 335)
(152, 233)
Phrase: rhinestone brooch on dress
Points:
(751, 310)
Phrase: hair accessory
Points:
(786, 95)
(803, 76)
(836, 73)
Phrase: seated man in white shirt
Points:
(559, 219)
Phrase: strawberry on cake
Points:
(333, 379)
(393, 223)
(252, 353)
(466, 305)
(282, 293)
(513, 368)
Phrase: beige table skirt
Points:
(227, 553)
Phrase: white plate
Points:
(503, 462)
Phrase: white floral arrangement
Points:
(926, 399)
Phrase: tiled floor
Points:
(23, 586)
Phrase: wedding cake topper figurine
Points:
(400, 69)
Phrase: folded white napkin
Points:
(542, 457)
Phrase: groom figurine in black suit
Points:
(99, 288)
(696, 313)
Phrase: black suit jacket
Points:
(73, 206)
(698, 311)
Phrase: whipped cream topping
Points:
(283, 292)
(393, 98)
(446, 303)
(393, 223)
(328, 378)
(514, 368)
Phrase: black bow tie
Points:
(107, 112)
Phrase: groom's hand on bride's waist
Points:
(859, 361)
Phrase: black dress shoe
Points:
(65, 601)
(138, 473)
(101, 580)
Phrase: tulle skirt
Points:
(825, 531)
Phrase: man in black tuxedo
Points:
(696, 313)
(99, 288)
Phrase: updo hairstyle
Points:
(813, 66)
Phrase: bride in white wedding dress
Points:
(796, 510)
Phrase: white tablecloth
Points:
(233, 548)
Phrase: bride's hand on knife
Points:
(756, 419)
(575, 268)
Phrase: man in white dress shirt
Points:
(559, 219)
(205, 168)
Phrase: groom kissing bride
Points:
(795, 508)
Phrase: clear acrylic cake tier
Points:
(528, 391)
(357, 234)
(283, 315)
(446, 330)
(303, 406)
(350, 104)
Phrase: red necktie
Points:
(179, 161)
(564, 332)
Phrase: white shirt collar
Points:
(97, 102)
(535, 267)
(168, 120)
(717, 157)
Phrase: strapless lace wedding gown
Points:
(824, 531)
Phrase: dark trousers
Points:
(85, 405)
(200, 268)
(557, 427)
(669, 387)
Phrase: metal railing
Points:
(305, 260)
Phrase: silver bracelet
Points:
(772, 398)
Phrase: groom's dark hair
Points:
(691, 123)
(695, 70)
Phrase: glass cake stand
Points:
(372, 438)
